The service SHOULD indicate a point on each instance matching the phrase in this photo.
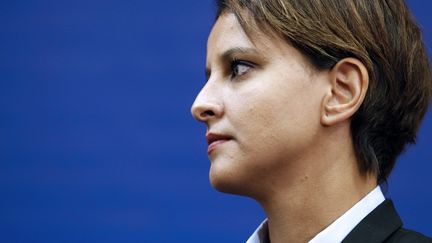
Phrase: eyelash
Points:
(235, 63)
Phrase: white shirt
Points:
(340, 228)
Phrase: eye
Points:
(239, 67)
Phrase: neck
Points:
(300, 207)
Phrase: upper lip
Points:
(212, 137)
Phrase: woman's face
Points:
(265, 98)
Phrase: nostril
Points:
(207, 113)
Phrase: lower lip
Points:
(213, 145)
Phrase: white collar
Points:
(341, 227)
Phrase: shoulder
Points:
(408, 236)
(383, 224)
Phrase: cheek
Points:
(251, 110)
(273, 117)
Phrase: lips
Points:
(213, 140)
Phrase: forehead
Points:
(227, 32)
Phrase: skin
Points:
(291, 148)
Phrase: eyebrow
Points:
(228, 55)
(242, 50)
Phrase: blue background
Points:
(97, 143)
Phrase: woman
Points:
(307, 106)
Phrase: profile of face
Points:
(265, 98)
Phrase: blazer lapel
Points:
(377, 226)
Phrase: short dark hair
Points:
(384, 36)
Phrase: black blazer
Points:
(383, 224)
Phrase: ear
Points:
(349, 81)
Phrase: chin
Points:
(227, 181)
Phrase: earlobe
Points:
(349, 81)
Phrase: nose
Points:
(204, 111)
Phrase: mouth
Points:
(213, 140)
